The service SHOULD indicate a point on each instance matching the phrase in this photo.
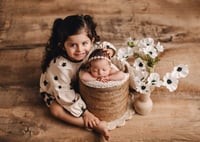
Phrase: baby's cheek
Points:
(94, 74)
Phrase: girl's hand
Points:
(90, 120)
(109, 51)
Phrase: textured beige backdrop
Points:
(25, 27)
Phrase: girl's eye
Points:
(72, 45)
(85, 43)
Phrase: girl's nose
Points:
(78, 48)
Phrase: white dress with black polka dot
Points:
(55, 85)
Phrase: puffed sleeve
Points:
(106, 44)
(60, 74)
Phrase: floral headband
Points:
(99, 57)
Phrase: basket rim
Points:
(109, 84)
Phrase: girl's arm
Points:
(57, 82)
(109, 47)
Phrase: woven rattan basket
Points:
(108, 103)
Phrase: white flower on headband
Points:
(99, 57)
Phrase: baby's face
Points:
(100, 68)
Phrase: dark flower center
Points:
(143, 87)
(140, 64)
(179, 69)
(169, 81)
(45, 82)
(63, 64)
(153, 82)
(55, 78)
(150, 52)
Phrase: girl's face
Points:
(100, 68)
(78, 46)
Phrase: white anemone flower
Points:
(180, 71)
(146, 42)
(139, 64)
(170, 82)
(151, 51)
(159, 47)
(123, 53)
(140, 76)
(143, 88)
(130, 51)
(154, 79)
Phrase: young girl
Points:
(71, 40)
(100, 68)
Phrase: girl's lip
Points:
(80, 53)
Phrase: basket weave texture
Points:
(107, 104)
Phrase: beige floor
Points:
(25, 118)
(175, 116)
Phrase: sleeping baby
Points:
(100, 68)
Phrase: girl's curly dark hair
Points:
(62, 29)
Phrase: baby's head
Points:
(99, 63)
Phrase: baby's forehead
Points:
(99, 62)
